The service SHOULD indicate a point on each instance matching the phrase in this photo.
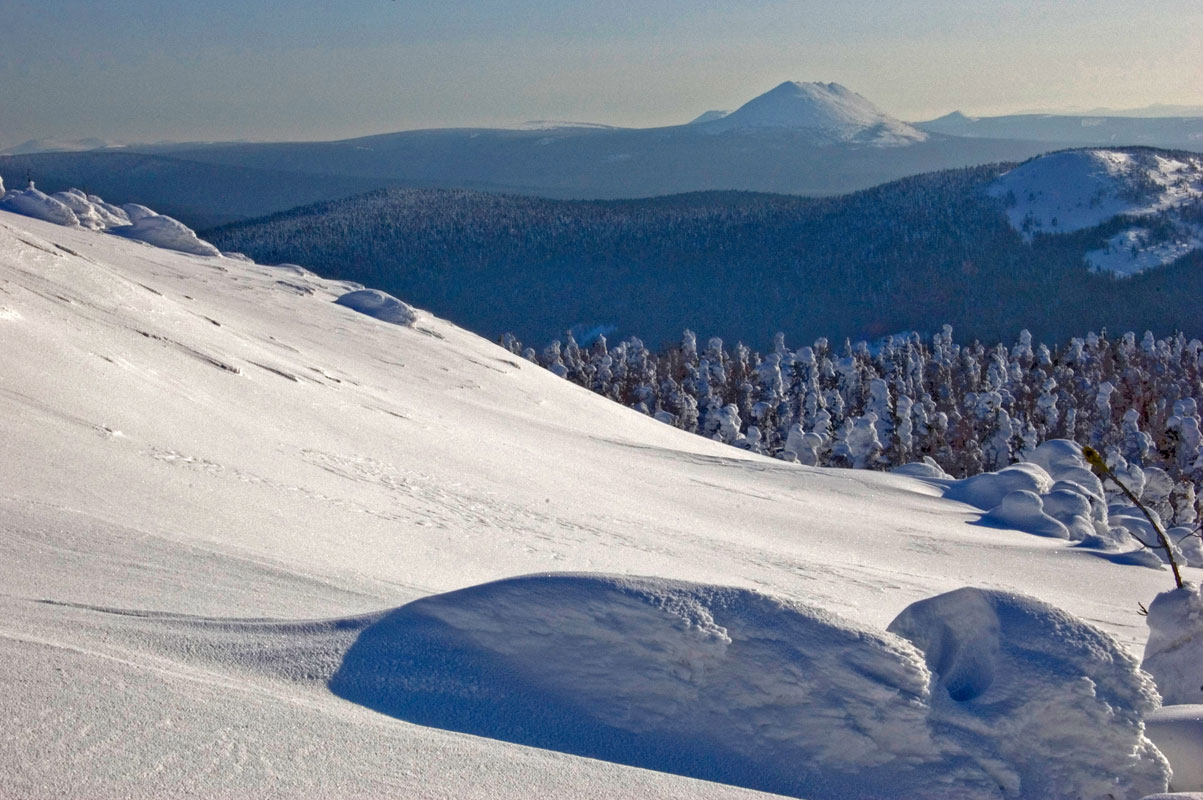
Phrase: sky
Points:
(148, 70)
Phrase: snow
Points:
(378, 304)
(1079, 189)
(1047, 705)
(216, 482)
(729, 684)
(73, 208)
(37, 204)
(1178, 733)
(1133, 251)
(988, 490)
(708, 116)
(1174, 653)
(832, 112)
(1024, 511)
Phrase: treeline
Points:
(969, 407)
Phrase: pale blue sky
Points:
(310, 69)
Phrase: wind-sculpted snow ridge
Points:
(1079, 189)
(739, 687)
(73, 208)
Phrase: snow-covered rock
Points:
(380, 305)
(1051, 706)
(831, 112)
(1174, 653)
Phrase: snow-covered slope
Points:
(830, 112)
(214, 480)
(1078, 189)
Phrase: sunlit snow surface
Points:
(214, 481)
(1078, 189)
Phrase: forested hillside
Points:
(903, 256)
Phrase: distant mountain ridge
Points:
(814, 139)
(908, 255)
(1173, 132)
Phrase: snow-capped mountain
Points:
(799, 138)
(827, 112)
(1159, 192)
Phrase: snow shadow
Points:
(722, 684)
(972, 694)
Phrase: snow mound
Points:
(1049, 705)
(1024, 511)
(165, 232)
(1174, 653)
(987, 490)
(31, 202)
(718, 683)
(380, 305)
(90, 211)
(927, 468)
(831, 112)
(1178, 733)
(1062, 460)
(1079, 189)
(75, 209)
(739, 687)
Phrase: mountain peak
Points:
(831, 112)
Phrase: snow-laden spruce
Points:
(994, 695)
(968, 409)
(74, 208)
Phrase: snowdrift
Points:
(378, 304)
(73, 208)
(994, 695)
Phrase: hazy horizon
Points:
(139, 70)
